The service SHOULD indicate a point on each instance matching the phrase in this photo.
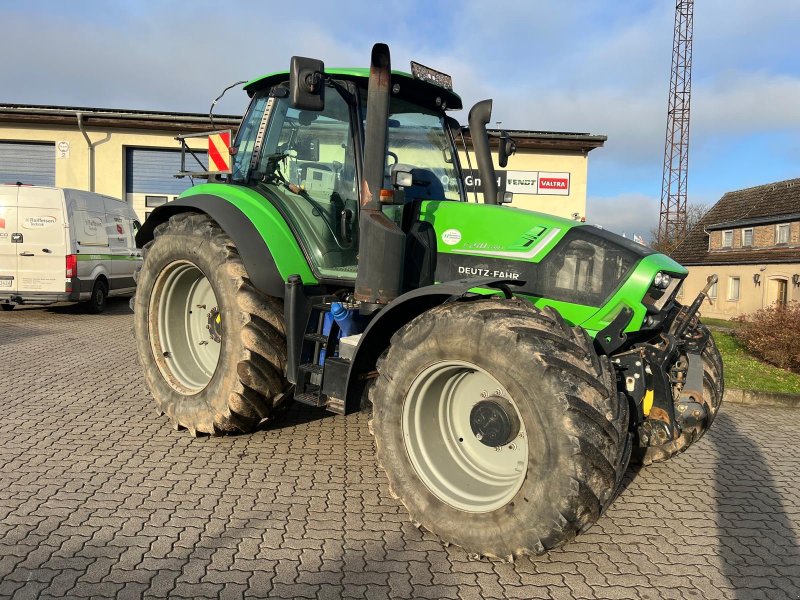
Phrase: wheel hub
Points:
(470, 449)
(186, 331)
(215, 325)
(494, 422)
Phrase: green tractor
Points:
(513, 361)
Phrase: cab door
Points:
(8, 246)
(42, 247)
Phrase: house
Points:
(751, 240)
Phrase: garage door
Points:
(34, 164)
(150, 177)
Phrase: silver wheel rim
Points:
(188, 327)
(453, 463)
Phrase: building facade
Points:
(133, 155)
(751, 240)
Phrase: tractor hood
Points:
(587, 273)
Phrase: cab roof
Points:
(411, 88)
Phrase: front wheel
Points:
(7, 307)
(713, 392)
(499, 427)
(213, 348)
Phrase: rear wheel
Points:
(213, 349)
(499, 427)
(97, 303)
(7, 307)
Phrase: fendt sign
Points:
(533, 183)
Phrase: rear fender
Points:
(256, 255)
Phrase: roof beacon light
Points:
(433, 76)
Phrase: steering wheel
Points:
(394, 156)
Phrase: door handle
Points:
(47, 250)
(26, 253)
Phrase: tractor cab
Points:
(308, 160)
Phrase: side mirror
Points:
(307, 149)
(507, 148)
(402, 176)
(307, 83)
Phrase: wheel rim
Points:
(188, 326)
(438, 432)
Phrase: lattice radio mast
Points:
(672, 221)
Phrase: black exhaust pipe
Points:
(381, 242)
(479, 117)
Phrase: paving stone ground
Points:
(99, 497)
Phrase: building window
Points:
(747, 237)
(712, 293)
(154, 201)
(733, 288)
(727, 239)
(782, 234)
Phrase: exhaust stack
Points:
(479, 117)
(382, 243)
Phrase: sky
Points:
(596, 66)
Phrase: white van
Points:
(64, 245)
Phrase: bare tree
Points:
(694, 214)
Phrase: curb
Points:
(754, 398)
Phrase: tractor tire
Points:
(7, 307)
(499, 427)
(713, 391)
(213, 348)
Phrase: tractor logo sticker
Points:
(451, 237)
(119, 229)
(38, 222)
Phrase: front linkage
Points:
(663, 380)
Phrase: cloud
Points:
(626, 213)
(568, 66)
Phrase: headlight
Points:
(661, 280)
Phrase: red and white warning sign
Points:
(219, 152)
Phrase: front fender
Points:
(378, 334)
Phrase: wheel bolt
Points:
(512, 446)
(484, 394)
(479, 436)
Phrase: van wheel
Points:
(97, 303)
(7, 306)
(212, 348)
